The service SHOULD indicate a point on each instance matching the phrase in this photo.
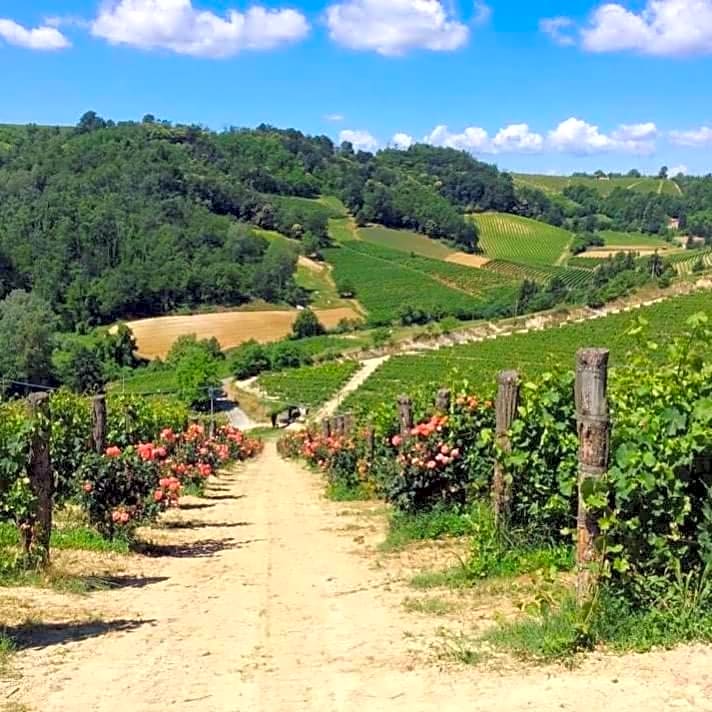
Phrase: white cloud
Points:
(558, 29)
(701, 136)
(483, 13)
(43, 38)
(402, 141)
(361, 140)
(393, 27)
(335, 118)
(177, 26)
(581, 138)
(517, 138)
(677, 170)
(473, 139)
(662, 27)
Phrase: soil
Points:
(231, 328)
(264, 597)
(463, 258)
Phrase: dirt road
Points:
(266, 599)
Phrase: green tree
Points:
(27, 327)
(83, 370)
(196, 374)
(307, 324)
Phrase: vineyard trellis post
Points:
(443, 400)
(326, 427)
(36, 528)
(594, 430)
(405, 415)
(506, 406)
(98, 414)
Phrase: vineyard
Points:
(685, 262)
(532, 353)
(556, 184)
(612, 238)
(387, 281)
(310, 385)
(510, 237)
(572, 276)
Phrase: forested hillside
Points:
(109, 220)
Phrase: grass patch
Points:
(438, 524)
(455, 577)
(68, 536)
(406, 241)
(428, 606)
(338, 492)
(7, 648)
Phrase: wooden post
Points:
(37, 528)
(505, 412)
(370, 437)
(594, 430)
(326, 427)
(98, 418)
(348, 424)
(405, 415)
(338, 426)
(443, 400)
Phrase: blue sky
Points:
(550, 86)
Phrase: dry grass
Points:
(462, 258)
(156, 336)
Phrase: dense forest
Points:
(109, 220)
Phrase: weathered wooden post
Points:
(348, 424)
(405, 415)
(36, 529)
(506, 406)
(370, 437)
(339, 426)
(326, 427)
(98, 419)
(594, 430)
(443, 400)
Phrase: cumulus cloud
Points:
(517, 138)
(682, 169)
(177, 26)
(695, 138)
(662, 27)
(402, 141)
(473, 139)
(559, 28)
(361, 140)
(44, 38)
(581, 138)
(393, 27)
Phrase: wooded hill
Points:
(107, 220)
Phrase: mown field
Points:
(532, 353)
(386, 281)
(613, 238)
(310, 385)
(556, 184)
(517, 239)
(406, 241)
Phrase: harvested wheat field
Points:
(462, 258)
(156, 336)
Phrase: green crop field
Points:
(387, 280)
(531, 353)
(310, 385)
(556, 184)
(589, 263)
(517, 239)
(572, 276)
(406, 241)
(612, 238)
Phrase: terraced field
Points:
(517, 239)
(531, 353)
(556, 184)
(685, 261)
(388, 280)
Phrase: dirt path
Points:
(266, 601)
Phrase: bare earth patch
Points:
(265, 597)
(462, 258)
(156, 336)
(642, 250)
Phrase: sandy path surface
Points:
(267, 602)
